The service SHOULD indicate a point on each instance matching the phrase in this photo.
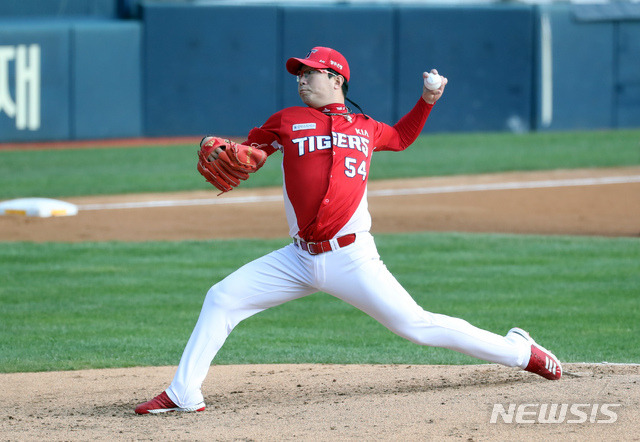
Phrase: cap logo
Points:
(338, 65)
(312, 51)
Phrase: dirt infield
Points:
(559, 202)
(336, 402)
(327, 402)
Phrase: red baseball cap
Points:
(321, 58)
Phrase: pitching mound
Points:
(329, 402)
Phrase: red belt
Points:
(315, 248)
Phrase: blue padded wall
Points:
(46, 102)
(87, 85)
(194, 68)
(578, 91)
(627, 86)
(59, 8)
(209, 69)
(106, 94)
(486, 54)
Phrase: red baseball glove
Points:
(234, 163)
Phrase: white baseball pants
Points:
(354, 274)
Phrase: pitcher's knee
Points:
(218, 298)
(419, 332)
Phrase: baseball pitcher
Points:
(326, 153)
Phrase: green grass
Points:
(454, 154)
(74, 172)
(93, 305)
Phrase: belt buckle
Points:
(309, 248)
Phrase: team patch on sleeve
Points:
(303, 126)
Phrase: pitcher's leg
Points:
(371, 288)
(263, 283)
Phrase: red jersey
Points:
(326, 159)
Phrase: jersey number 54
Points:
(351, 171)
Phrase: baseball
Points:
(433, 82)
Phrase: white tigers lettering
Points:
(319, 142)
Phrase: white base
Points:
(39, 207)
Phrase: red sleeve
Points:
(267, 134)
(402, 134)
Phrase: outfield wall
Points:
(195, 68)
(66, 80)
(587, 68)
(61, 8)
(387, 48)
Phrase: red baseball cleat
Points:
(162, 404)
(542, 362)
